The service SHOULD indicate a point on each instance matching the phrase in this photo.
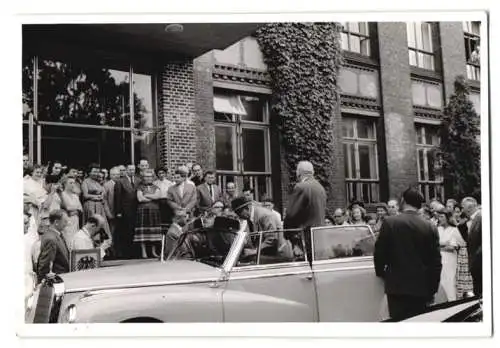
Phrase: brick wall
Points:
(176, 96)
(397, 107)
(453, 54)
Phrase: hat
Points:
(240, 203)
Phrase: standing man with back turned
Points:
(407, 257)
(307, 203)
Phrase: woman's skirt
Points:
(464, 279)
(148, 223)
(448, 274)
(92, 207)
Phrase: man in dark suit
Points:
(198, 176)
(207, 193)
(408, 259)
(259, 219)
(125, 205)
(54, 252)
(474, 243)
(182, 195)
(306, 204)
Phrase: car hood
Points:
(137, 275)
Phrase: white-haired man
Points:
(307, 203)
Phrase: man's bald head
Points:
(304, 169)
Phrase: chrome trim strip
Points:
(236, 248)
(270, 266)
(271, 275)
(142, 285)
(343, 269)
(343, 260)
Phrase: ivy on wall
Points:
(303, 61)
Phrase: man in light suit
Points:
(207, 193)
(182, 195)
(307, 204)
(259, 219)
(54, 252)
(125, 206)
(474, 243)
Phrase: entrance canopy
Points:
(189, 40)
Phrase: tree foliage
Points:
(460, 148)
(303, 61)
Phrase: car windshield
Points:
(209, 245)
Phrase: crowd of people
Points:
(126, 212)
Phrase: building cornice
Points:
(426, 112)
(241, 75)
(355, 102)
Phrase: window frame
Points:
(348, 33)
(473, 68)
(424, 147)
(342, 259)
(356, 142)
(416, 27)
(133, 131)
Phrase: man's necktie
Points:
(211, 193)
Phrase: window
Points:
(335, 242)
(426, 94)
(355, 37)
(84, 113)
(275, 248)
(428, 164)
(420, 49)
(361, 159)
(472, 49)
(242, 141)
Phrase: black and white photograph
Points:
(312, 171)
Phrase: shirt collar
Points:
(86, 231)
(252, 211)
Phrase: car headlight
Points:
(69, 314)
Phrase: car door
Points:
(273, 287)
(344, 275)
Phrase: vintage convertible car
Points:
(224, 274)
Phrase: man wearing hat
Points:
(307, 203)
(259, 219)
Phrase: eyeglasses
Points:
(218, 207)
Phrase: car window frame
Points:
(343, 259)
(305, 262)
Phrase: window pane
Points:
(367, 161)
(254, 150)
(79, 147)
(475, 28)
(432, 136)
(413, 57)
(418, 38)
(410, 34)
(365, 46)
(344, 41)
(364, 28)
(340, 242)
(427, 37)
(254, 108)
(26, 141)
(350, 163)
(225, 148)
(348, 128)
(355, 44)
(353, 27)
(258, 183)
(74, 93)
(419, 134)
(421, 165)
(431, 164)
(466, 26)
(348, 81)
(27, 87)
(366, 129)
(143, 101)
(428, 61)
(420, 60)
(418, 93)
(145, 147)
(434, 98)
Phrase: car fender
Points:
(172, 303)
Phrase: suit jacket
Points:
(109, 197)
(204, 199)
(188, 199)
(53, 250)
(475, 249)
(265, 220)
(407, 255)
(125, 198)
(307, 205)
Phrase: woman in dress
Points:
(93, 197)
(166, 213)
(71, 203)
(357, 216)
(450, 241)
(148, 222)
(464, 278)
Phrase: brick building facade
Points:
(202, 103)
